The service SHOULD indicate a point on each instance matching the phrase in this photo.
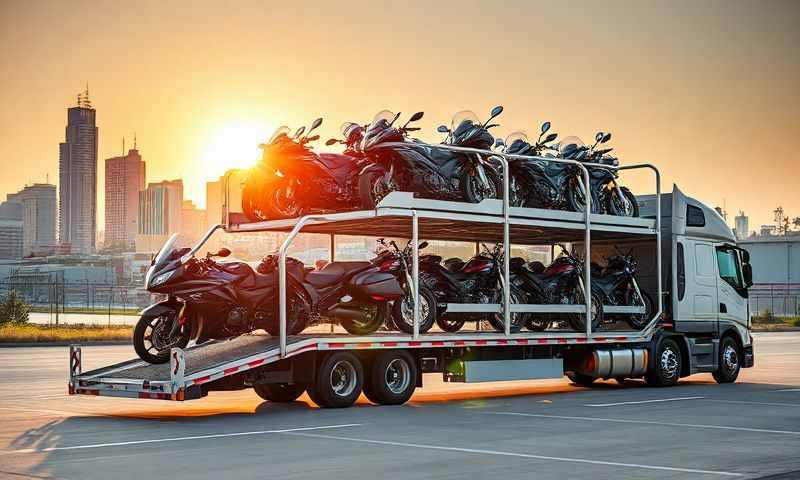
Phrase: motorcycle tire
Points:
(615, 207)
(578, 321)
(537, 323)
(472, 193)
(575, 200)
(368, 194)
(297, 317)
(450, 323)
(140, 340)
(519, 319)
(638, 322)
(279, 206)
(372, 324)
(400, 313)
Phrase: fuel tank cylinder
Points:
(628, 362)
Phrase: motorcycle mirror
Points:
(495, 112)
(487, 127)
(498, 142)
(299, 132)
(394, 119)
(331, 141)
(416, 116)
(606, 138)
(442, 129)
(315, 124)
(550, 137)
(223, 252)
(423, 245)
(598, 137)
(312, 139)
(545, 127)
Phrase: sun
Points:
(234, 145)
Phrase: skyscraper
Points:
(742, 226)
(125, 178)
(77, 167)
(10, 231)
(38, 216)
(160, 207)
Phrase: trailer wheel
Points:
(730, 361)
(581, 379)
(666, 365)
(340, 378)
(279, 392)
(392, 378)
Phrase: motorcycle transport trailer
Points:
(687, 333)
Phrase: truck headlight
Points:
(161, 279)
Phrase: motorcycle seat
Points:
(333, 273)
(430, 258)
(258, 280)
(335, 161)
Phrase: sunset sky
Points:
(708, 91)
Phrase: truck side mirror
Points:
(747, 273)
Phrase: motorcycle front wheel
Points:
(639, 321)
(403, 312)
(475, 191)
(285, 202)
(517, 319)
(153, 337)
(576, 199)
(372, 188)
(578, 320)
(297, 317)
(625, 206)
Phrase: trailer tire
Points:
(279, 392)
(580, 379)
(667, 364)
(730, 361)
(340, 378)
(392, 378)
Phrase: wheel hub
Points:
(343, 378)
(398, 376)
(669, 362)
(730, 358)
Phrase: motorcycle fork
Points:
(638, 292)
(479, 168)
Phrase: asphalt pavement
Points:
(536, 429)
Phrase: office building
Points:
(38, 216)
(125, 178)
(160, 206)
(10, 231)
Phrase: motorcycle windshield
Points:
(516, 142)
(380, 122)
(463, 120)
(163, 255)
(282, 131)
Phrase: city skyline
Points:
(711, 106)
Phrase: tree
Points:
(14, 309)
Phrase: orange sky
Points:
(708, 90)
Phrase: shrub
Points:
(14, 309)
(765, 316)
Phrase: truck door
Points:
(701, 287)
(731, 288)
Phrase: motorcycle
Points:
(607, 195)
(479, 280)
(208, 300)
(559, 283)
(617, 282)
(399, 164)
(290, 179)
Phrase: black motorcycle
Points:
(291, 180)
(559, 283)
(213, 300)
(480, 281)
(607, 195)
(617, 282)
(400, 164)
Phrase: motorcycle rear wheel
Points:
(370, 324)
(158, 352)
(297, 317)
(450, 323)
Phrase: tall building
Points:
(38, 216)
(77, 168)
(742, 226)
(213, 214)
(160, 206)
(10, 231)
(192, 222)
(125, 178)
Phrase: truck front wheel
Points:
(279, 392)
(730, 361)
(340, 378)
(392, 378)
(667, 363)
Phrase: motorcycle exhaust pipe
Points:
(348, 313)
(627, 362)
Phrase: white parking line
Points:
(673, 399)
(647, 422)
(175, 439)
(787, 390)
(775, 404)
(518, 455)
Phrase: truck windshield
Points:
(729, 268)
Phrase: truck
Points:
(689, 264)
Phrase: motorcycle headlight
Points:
(161, 279)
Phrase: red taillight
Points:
(378, 298)
(389, 264)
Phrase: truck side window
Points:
(681, 273)
(695, 217)
(729, 268)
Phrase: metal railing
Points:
(507, 308)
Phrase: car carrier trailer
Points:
(699, 282)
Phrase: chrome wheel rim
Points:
(156, 335)
(398, 376)
(669, 362)
(343, 378)
(285, 203)
(481, 191)
(407, 308)
(625, 205)
(730, 358)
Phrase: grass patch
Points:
(98, 310)
(72, 333)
